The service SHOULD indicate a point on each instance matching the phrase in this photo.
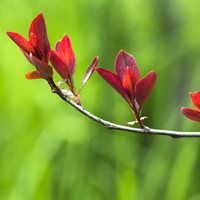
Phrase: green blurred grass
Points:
(50, 151)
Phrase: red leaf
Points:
(42, 66)
(144, 87)
(26, 55)
(196, 100)
(127, 83)
(57, 46)
(21, 42)
(191, 94)
(34, 75)
(59, 65)
(89, 72)
(191, 114)
(35, 44)
(123, 61)
(112, 79)
(38, 27)
(67, 54)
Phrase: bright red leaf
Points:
(127, 83)
(144, 87)
(196, 100)
(67, 55)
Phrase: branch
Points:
(109, 125)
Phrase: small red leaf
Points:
(42, 66)
(89, 72)
(144, 87)
(123, 61)
(191, 114)
(196, 100)
(127, 83)
(59, 65)
(191, 94)
(21, 42)
(112, 79)
(57, 46)
(34, 75)
(26, 55)
(38, 27)
(35, 44)
(67, 55)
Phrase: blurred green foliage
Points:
(50, 151)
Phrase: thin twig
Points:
(174, 134)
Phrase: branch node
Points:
(109, 126)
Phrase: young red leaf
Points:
(59, 65)
(112, 79)
(191, 94)
(38, 27)
(42, 66)
(144, 87)
(127, 83)
(35, 44)
(57, 46)
(123, 61)
(89, 72)
(191, 114)
(34, 75)
(27, 56)
(21, 42)
(196, 100)
(67, 54)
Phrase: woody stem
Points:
(109, 125)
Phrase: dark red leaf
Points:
(38, 27)
(21, 42)
(123, 61)
(67, 55)
(27, 56)
(144, 87)
(191, 114)
(127, 82)
(34, 75)
(89, 71)
(58, 64)
(42, 66)
(112, 79)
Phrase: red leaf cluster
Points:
(64, 62)
(37, 50)
(190, 113)
(127, 81)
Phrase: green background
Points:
(50, 151)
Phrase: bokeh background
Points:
(50, 151)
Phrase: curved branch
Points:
(174, 134)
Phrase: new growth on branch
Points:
(126, 82)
